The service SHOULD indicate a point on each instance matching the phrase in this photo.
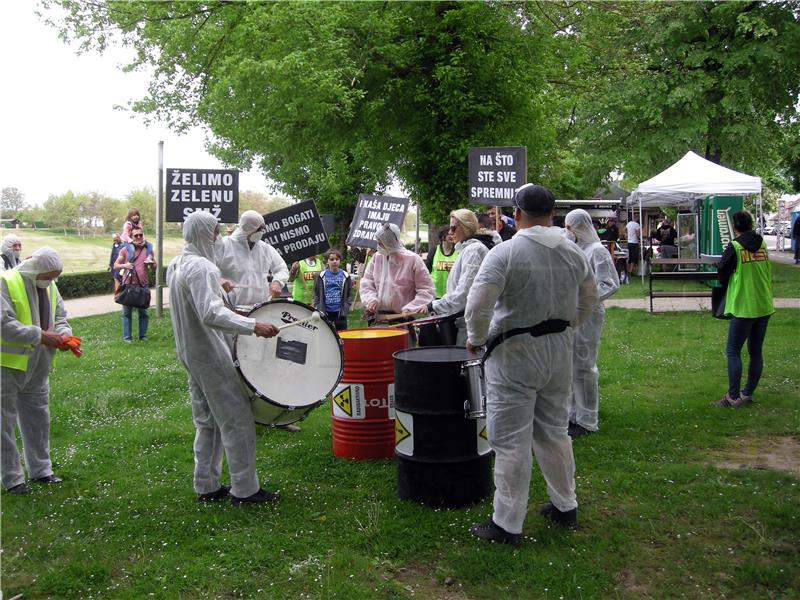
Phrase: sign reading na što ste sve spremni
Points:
(211, 190)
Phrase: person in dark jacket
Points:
(796, 238)
(746, 274)
(333, 290)
(116, 246)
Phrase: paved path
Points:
(98, 305)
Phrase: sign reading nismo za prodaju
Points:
(211, 190)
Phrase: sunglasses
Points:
(138, 235)
(452, 228)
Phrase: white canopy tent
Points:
(689, 180)
(693, 178)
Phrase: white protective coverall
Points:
(585, 396)
(26, 394)
(249, 266)
(395, 277)
(471, 255)
(200, 321)
(535, 276)
(7, 251)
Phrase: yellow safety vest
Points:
(13, 354)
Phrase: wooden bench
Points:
(680, 276)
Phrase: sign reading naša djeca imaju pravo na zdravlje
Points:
(371, 213)
(211, 190)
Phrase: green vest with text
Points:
(749, 292)
(12, 354)
(442, 265)
(303, 287)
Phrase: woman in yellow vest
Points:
(302, 274)
(746, 273)
(34, 322)
(441, 262)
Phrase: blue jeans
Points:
(126, 322)
(753, 332)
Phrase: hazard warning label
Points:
(348, 401)
(483, 437)
(404, 433)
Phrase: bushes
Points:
(423, 246)
(95, 283)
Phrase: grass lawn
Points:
(89, 253)
(667, 508)
(785, 284)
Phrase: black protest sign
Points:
(370, 215)
(495, 173)
(210, 190)
(296, 232)
(329, 223)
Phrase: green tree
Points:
(331, 99)
(720, 78)
(12, 202)
(62, 212)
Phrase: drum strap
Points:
(543, 328)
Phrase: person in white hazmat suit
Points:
(222, 416)
(10, 251)
(472, 244)
(585, 397)
(246, 261)
(396, 280)
(34, 323)
(529, 293)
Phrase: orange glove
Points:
(73, 344)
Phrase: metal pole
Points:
(416, 243)
(160, 233)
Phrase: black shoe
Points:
(260, 497)
(20, 489)
(492, 532)
(568, 519)
(221, 493)
(48, 479)
(574, 430)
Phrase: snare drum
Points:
(436, 331)
(475, 404)
(288, 375)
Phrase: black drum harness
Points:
(540, 329)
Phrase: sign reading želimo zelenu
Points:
(211, 190)
(495, 173)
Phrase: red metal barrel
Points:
(363, 403)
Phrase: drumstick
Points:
(314, 317)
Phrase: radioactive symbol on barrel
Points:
(482, 438)
(400, 432)
(343, 401)
(404, 433)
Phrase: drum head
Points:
(300, 365)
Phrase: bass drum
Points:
(288, 375)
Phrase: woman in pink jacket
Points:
(396, 280)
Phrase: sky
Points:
(59, 130)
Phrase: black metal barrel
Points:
(443, 459)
